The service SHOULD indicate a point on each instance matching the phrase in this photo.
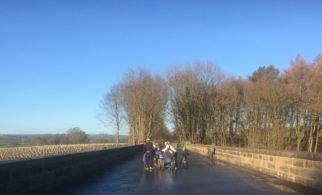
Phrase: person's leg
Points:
(147, 160)
(151, 161)
(175, 157)
(144, 160)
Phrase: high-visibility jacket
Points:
(170, 148)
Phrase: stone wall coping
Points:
(282, 153)
(3, 162)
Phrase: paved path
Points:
(201, 177)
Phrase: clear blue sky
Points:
(58, 58)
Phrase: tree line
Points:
(267, 110)
(73, 135)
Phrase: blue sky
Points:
(58, 58)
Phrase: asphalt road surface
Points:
(201, 177)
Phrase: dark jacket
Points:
(148, 147)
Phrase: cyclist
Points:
(212, 150)
(157, 154)
(172, 151)
(149, 153)
(184, 155)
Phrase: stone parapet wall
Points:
(298, 167)
(30, 152)
(42, 174)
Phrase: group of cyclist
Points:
(153, 151)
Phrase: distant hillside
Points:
(107, 135)
(16, 140)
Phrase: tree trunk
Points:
(317, 136)
(117, 131)
(298, 140)
(310, 144)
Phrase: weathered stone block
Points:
(308, 163)
(284, 160)
(266, 170)
(317, 165)
(308, 173)
(282, 175)
(295, 170)
(284, 168)
(298, 162)
(270, 165)
(265, 157)
(300, 180)
(256, 156)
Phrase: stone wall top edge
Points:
(65, 155)
(282, 153)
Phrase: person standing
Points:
(149, 153)
(172, 151)
(212, 150)
(185, 154)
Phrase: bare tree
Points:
(268, 110)
(145, 98)
(113, 105)
(190, 94)
(294, 79)
(315, 102)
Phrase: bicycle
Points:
(173, 164)
(161, 162)
(184, 162)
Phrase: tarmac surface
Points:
(201, 177)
